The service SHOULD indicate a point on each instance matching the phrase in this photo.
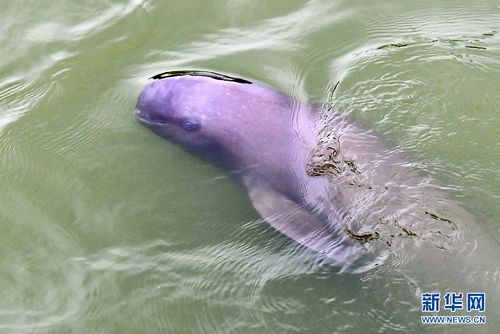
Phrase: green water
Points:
(106, 228)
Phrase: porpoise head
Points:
(220, 117)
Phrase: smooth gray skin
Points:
(359, 219)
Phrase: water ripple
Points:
(40, 288)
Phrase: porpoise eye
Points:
(190, 124)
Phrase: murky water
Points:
(106, 228)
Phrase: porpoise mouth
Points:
(146, 119)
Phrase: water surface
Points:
(106, 228)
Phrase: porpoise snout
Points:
(152, 104)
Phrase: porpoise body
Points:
(331, 186)
(315, 176)
(260, 134)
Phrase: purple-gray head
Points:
(228, 118)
